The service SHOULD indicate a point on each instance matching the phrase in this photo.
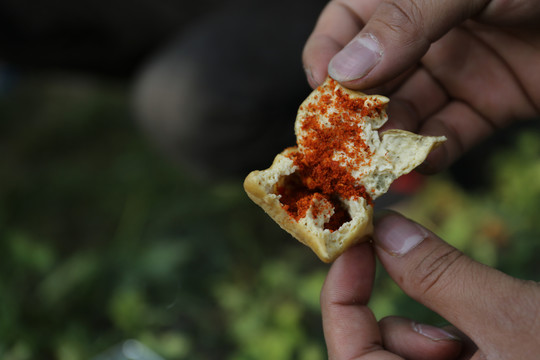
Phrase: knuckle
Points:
(436, 270)
(403, 18)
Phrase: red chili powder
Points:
(296, 199)
(318, 173)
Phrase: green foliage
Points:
(102, 240)
(268, 320)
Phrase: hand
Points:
(498, 316)
(459, 68)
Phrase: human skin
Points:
(462, 69)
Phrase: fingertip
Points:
(350, 278)
(316, 55)
(397, 235)
(359, 251)
(434, 333)
(357, 258)
(314, 79)
(413, 340)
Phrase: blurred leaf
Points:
(163, 257)
(309, 289)
(29, 253)
(313, 351)
(19, 351)
(67, 278)
(128, 310)
(171, 345)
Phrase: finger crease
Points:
(354, 15)
(352, 302)
(439, 267)
(329, 38)
(416, 21)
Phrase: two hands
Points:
(462, 69)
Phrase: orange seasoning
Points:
(319, 174)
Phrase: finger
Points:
(336, 26)
(474, 72)
(416, 341)
(402, 337)
(473, 75)
(350, 328)
(395, 38)
(463, 128)
(317, 53)
(487, 305)
(390, 86)
(487, 94)
(468, 347)
(418, 98)
(521, 51)
(521, 13)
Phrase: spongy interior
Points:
(296, 197)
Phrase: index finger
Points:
(338, 23)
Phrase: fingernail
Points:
(310, 78)
(434, 333)
(356, 59)
(397, 235)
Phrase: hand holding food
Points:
(463, 69)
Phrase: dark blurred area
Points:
(102, 37)
(221, 97)
(216, 84)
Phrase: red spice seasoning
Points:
(296, 199)
(319, 174)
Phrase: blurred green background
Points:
(105, 244)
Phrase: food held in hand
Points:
(322, 190)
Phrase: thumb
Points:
(487, 305)
(395, 37)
